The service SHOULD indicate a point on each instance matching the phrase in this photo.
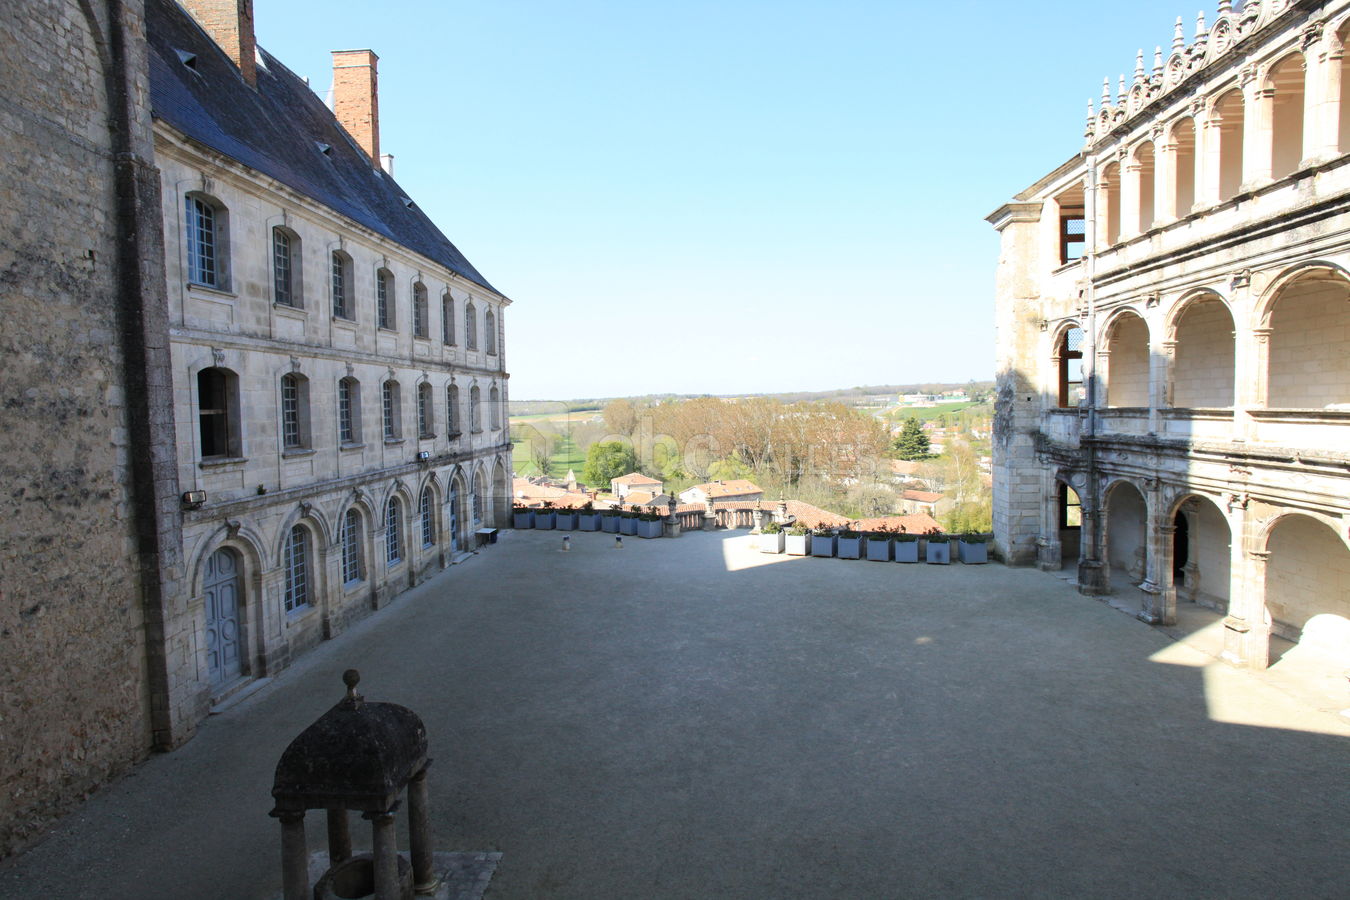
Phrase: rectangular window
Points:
(447, 320)
(281, 267)
(346, 431)
(1072, 236)
(290, 413)
(390, 399)
(351, 548)
(393, 543)
(382, 300)
(201, 242)
(297, 571)
(339, 269)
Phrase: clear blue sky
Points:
(732, 196)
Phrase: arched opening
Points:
(297, 565)
(1128, 378)
(1287, 78)
(1229, 112)
(479, 502)
(457, 515)
(1070, 509)
(1072, 225)
(393, 533)
(1126, 544)
(353, 548)
(1145, 159)
(1069, 366)
(1183, 136)
(1111, 182)
(426, 518)
(1203, 374)
(501, 497)
(1309, 363)
(1308, 585)
(1201, 553)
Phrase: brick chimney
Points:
(230, 24)
(356, 98)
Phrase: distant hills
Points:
(861, 395)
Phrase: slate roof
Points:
(274, 130)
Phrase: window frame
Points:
(386, 296)
(353, 568)
(206, 241)
(340, 285)
(225, 429)
(295, 562)
(287, 275)
(475, 410)
(470, 326)
(448, 319)
(390, 406)
(426, 511)
(490, 332)
(393, 538)
(295, 412)
(349, 411)
(421, 315)
(452, 415)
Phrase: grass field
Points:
(566, 457)
(924, 413)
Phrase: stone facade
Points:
(1173, 336)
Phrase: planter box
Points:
(522, 518)
(565, 521)
(972, 554)
(823, 544)
(797, 544)
(770, 543)
(588, 521)
(609, 524)
(544, 520)
(906, 551)
(627, 525)
(939, 552)
(879, 550)
(648, 529)
(849, 548)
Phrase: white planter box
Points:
(770, 543)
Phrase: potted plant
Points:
(649, 524)
(522, 517)
(972, 548)
(543, 517)
(823, 540)
(771, 538)
(587, 518)
(565, 520)
(850, 543)
(939, 548)
(628, 521)
(609, 521)
(798, 540)
(879, 544)
(906, 548)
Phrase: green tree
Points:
(620, 416)
(911, 443)
(542, 448)
(728, 469)
(607, 460)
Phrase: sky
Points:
(728, 197)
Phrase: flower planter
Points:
(849, 548)
(879, 549)
(589, 521)
(972, 553)
(906, 551)
(565, 521)
(797, 544)
(609, 524)
(823, 544)
(939, 552)
(627, 525)
(544, 519)
(522, 518)
(770, 543)
(648, 528)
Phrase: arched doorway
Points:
(456, 516)
(222, 587)
(1201, 553)
(1307, 574)
(1070, 526)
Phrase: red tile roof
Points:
(922, 496)
(634, 478)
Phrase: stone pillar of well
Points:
(709, 515)
(672, 526)
(757, 515)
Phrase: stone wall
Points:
(74, 696)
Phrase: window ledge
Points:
(449, 344)
(426, 339)
(223, 462)
(297, 452)
(349, 586)
(426, 437)
(387, 330)
(213, 293)
(391, 441)
(300, 613)
(344, 322)
(351, 446)
(290, 311)
(453, 436)
(476, 431)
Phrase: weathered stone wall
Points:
(74, 704)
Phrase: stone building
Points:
(251, 392)
(1173, 321)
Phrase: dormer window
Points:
(187, 59)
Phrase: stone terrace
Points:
(687, 718)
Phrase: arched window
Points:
(452, 410)
(294, 411)
(393, 417)
(352, 570)
(207, 242)
(218, 413)
(490, 331)
(384, 299)
(340, 284)
(475, 414)
(1069, 354)
(426, 424)
(494, 409)
(447, 319)
(477, 501)
(295, 562)
(286, 269)
(426, 511)
(470, 326)
(349, 411)
(393, 533)
(420, 313)
(454, 514)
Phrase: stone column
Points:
(1314, 86)
(1244, 353)
(377, 569)
(1160, 586)
(1209, 160)
(331, 601)
(1049, 553)
(1093, 572)
(385, 846)
(294, 857)
(1329, 109)
(1102, 372)
(1129, 198)
(1247, 626)
(1257, 130)
(339, 837)
(419, 833)
(1103, 198)
(1165, 183)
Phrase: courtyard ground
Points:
(690, 719)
